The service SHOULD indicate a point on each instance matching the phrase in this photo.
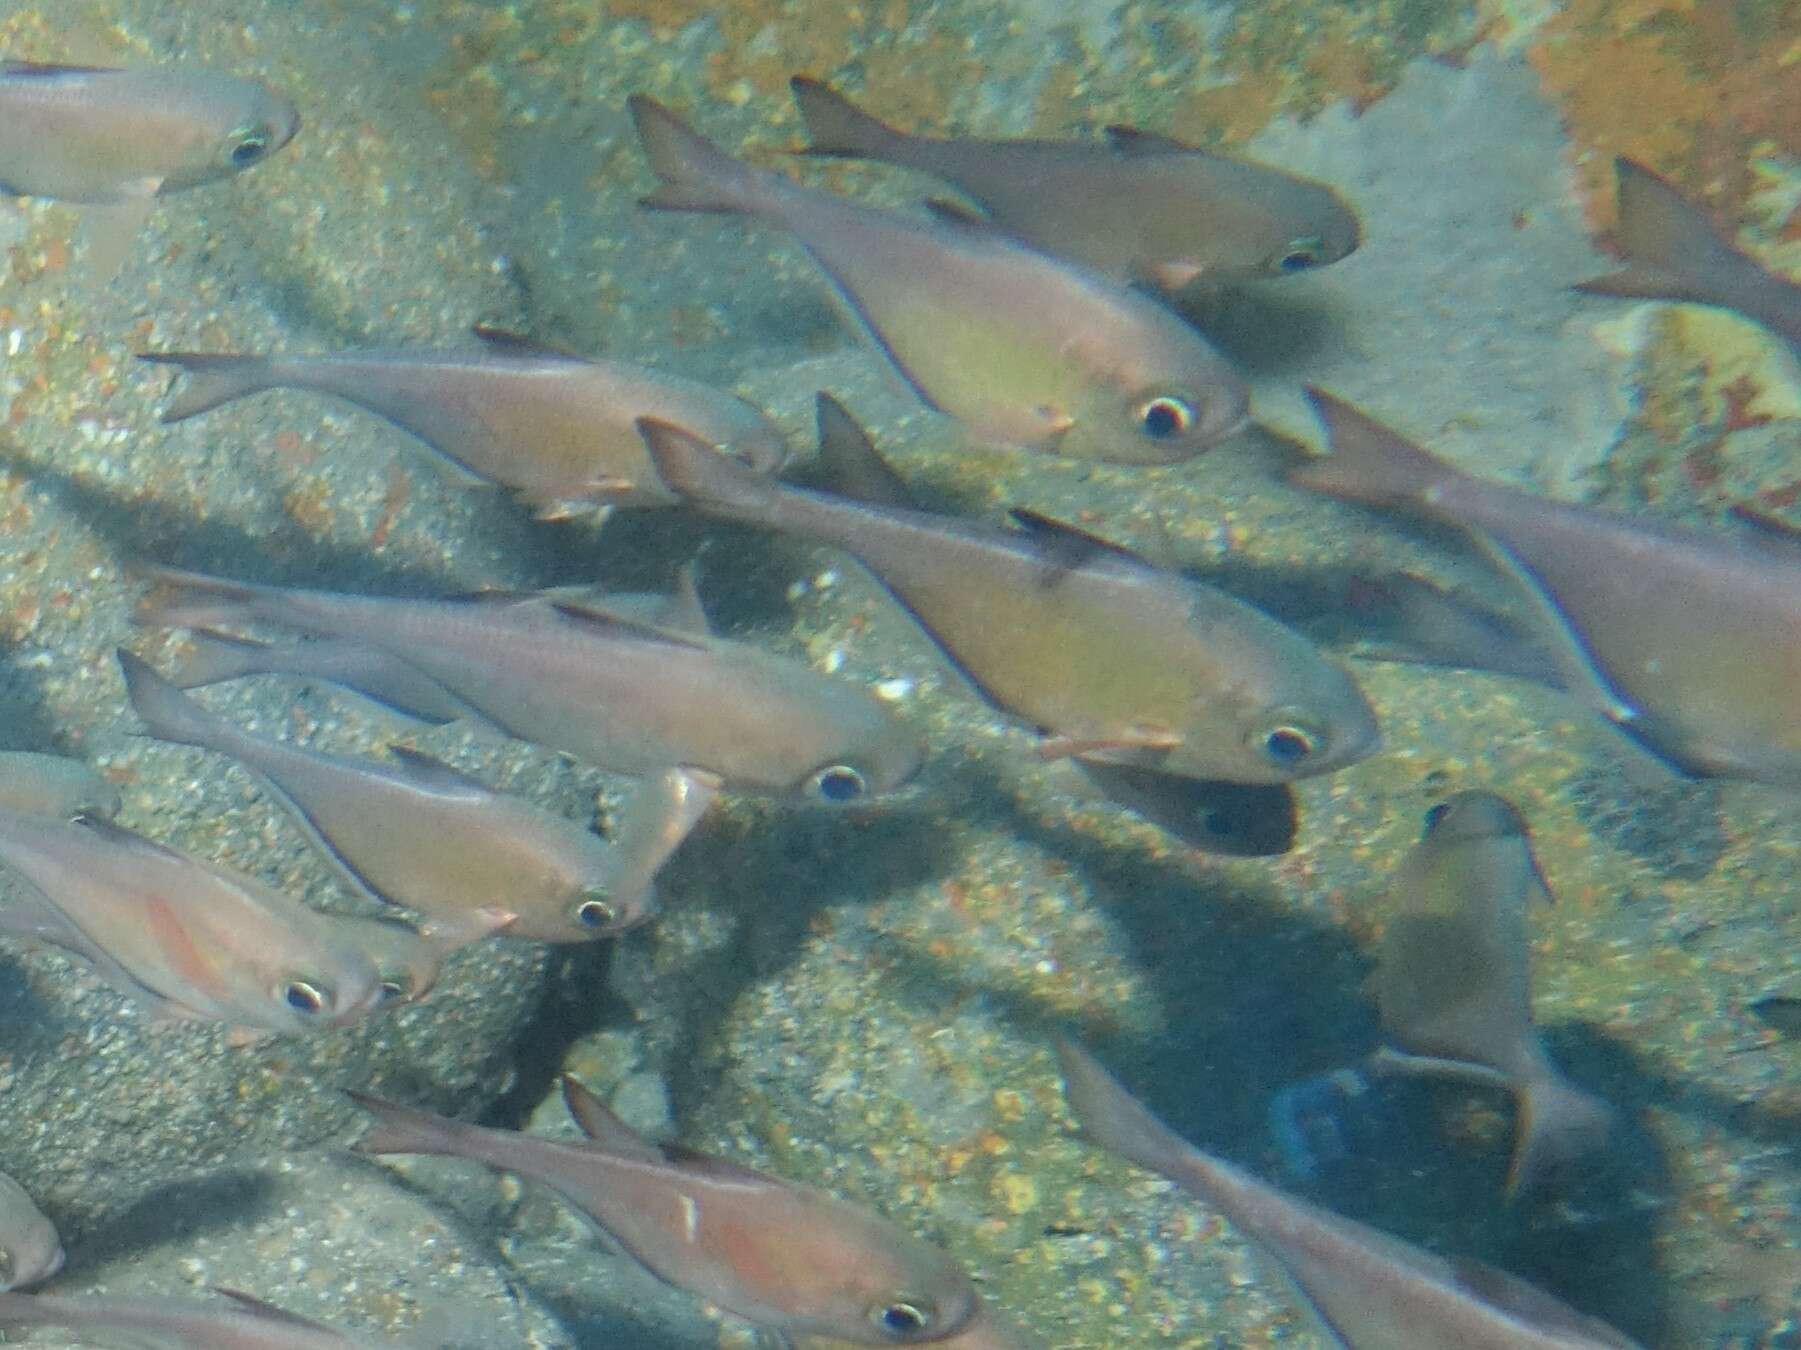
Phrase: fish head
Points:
(30, 1250)
(407, 962)
(857, 1279)
(874, 766)
(1157, 406)
(1312, 229)
(231, 125)
(331, 984)
(1471, 816)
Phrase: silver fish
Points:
(1021, 348)
(30, 1250)
(79, 134)
(555, 428)
(1366, 1289)
(239, 1323)
(184, 937)
(794, 1260)
(608, 688)
(420, 834)
(1136, 207)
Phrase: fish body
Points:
(418, 833)
(1135, 207)
(240, 1323)
(30, 1250)
(787, 1258)
(186, 938)
(1452, 980)
(1021, 348)
(1368, 1290)
(554, 428)
(1115, 660)
(1673, 252)
(609, 689)
(1689, 641)
(102, 137)
(53, 785)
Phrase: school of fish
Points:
(1034, 317)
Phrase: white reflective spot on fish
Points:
(893, 691)
(690, 1220)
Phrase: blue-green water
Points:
(865, 1000)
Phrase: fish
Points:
(30, 1250)
(54, 785)
(1686, 640)
(104, 137)
(569, 673)
(786, 1258)
(1136, 207)
(1239, 819)
(212, 657)
(1020, 348)
(1779, 1012)
(186, 938)
(1452, 983)
(420, 834)
(240, 1322)
(554, 428)
(1367, 1289)
(1113, 660)
(1674, 252)
(407, 960)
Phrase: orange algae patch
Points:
(1721, 80)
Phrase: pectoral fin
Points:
(1067, 747)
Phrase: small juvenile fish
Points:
(30, 1250)
(420, 834)
(1688, 641)
(213, 658)
(1366, 1289)
(186, 938)
(52, 785)
(1673, 252)
(1112, 659)
(240, 1323)
(1452, 981)
(1137, 207)
(784, 1257)
(408, 960)
(78, 134)
(555, 428)
(1020, 348)
(573, 674)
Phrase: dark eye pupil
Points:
(249, 149)
(1435, 815)
(1296, 262)
(304, 998)
(900, 1317)
(1164, 417)
(840, 785)
(392, 989)
(1285, 745)
(593, 914)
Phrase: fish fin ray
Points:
(599, 1123)
(268, 1311)
(695, 174)
(505, 340)
(433, 773)
(838, 128)
(853, 467)
(214, 378)
(1136, 143)
(1069, 546)
(594, 614)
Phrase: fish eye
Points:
(1165, 416)
(1287, 745)
(395, 989)
(304, 997)
(1300, 255)
(901, 1318)
(595, 911)
(1436, 815)
(249, 145)
(837, 783)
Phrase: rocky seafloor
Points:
(864, 999)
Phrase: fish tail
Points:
(704, 478)
(407, 1129)
(178, 599)
(166, 712)
(1113, 1117)
(696, 174)
(1558, 1123)
(837, 127)
(1671, 249)
(1369, 463)
(214, 657)
(213, 379)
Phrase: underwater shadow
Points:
(176, 1213)
(1262, 328)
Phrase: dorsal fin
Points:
(947, 212)
(434, 774)
(852, 465)
(1134, 143)
(49, 70)
(597, 1121)
(715, 1168)
(682, 611)
(518, 344)
(124, 838)
(1069, 545)
(252, 1304)
(595, 614)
